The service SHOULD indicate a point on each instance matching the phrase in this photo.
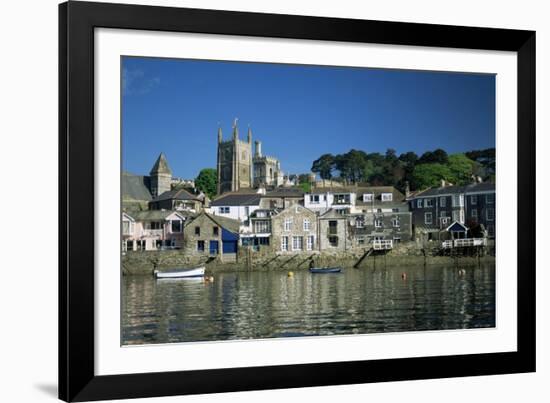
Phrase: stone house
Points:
(294, 230)
(282, 198)
(333, 231)
(259, 235)
(379, 226)
(435, 209)
(178, 199)
(152, 230)
(208, 235)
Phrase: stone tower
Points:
(267, 170)
(234, 162)
(160, 176)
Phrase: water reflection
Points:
(270, 304)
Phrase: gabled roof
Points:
(237, 199)
(224, 222)
(285, 192)
(176, 194)
(161, 166)
(135, 187)
(397, 196)
(472, 188)
(333, 213)
(456, 227)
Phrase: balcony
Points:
(464, 243)
(382, 244)
(152, 232)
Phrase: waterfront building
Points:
(294, 230)
(237, 206)
(209, 235)
(325, 198)
(434, 210)
(258, 236)
(333, 230)
(178, 199)
(152, 230)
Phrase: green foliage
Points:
(324, 166)
(429, 175)
(462, 168)
(207, 181)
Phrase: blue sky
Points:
(298, 112)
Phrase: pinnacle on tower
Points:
(249, 137)
(235, 129)
(220, 135)
(161, 166)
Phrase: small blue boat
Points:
(325, 269)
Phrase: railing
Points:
(464, 243)
(382, 244)
(152, 232)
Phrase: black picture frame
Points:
(77, 21)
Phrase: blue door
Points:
(214, 247)
(229, 241)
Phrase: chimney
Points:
(258, 148)
(407, 190)
(442, 183)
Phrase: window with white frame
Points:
(387, 197)
(224, 210)
(127, 228)
(395, 222)
(490, 214)
(443, 214)
(419, 203)
(360, 222)
(314, 199)
(491, 230)
(473, 200)
(307, 224)
(310, 242)
(473, 213)
(261, 226)
(490, 198)
(297, 243)
(461, 216)
(428, 218)
(284, 243)
(429, 203)
(443, 201)
(456, 215)
(288, 224)
(458, 200)
(360, 240)
(342, 198)
(377, 223)
(367, 197)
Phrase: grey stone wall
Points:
(297, 214)
(206, 234)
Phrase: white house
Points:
(236, 205)
(323, 199)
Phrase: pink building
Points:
(152, 230)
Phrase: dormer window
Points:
(368, 197)
(387, 197)
(314, 199)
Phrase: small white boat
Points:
(196, 272)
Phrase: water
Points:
(252, 305)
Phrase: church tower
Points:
(234, 162)
(160, 176)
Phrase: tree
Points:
(429, 175)
(462, 168)
(323, 166)
(438, 156)
(207, 181)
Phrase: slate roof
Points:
(397, 198)
(135, 187)
(153, 215)
(224, 222)
(474, 187)
(237, 199)
(177, 194)
(285, 192)
(161, 166)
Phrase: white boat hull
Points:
(196, 272)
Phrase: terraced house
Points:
(434, 210)
(153, 230)
(294, 230)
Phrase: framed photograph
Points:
(257, 201)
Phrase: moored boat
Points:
(325, 269)
(181, 273)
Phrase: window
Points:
(491, 230)
(263, 241)
(458, 200)
(395, 222)
(473, 200)
(307, 224)
(176, 225)
(427, 218)
(297, 243)
(284, 243)
(341, 198)
(261, 227)
(443, 214)
(215, 231)
(310, 242)
(197, 231)
(377, 223)
(360, 240)
(419, 203)
(288, 224)
(429, 202)
(367, 197)
(395, 210)
(141, 245)
(378, 210)
(490, 214)
(333, 227)
(455, 215)
(155, 225)
(490, 198)
(387, 197)
(333, 241)
(396, 239)
(314, 199)
(224, 210)
(474, 214)
(360, 222)
(200, 246)
(442, 201)
(129, 245)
